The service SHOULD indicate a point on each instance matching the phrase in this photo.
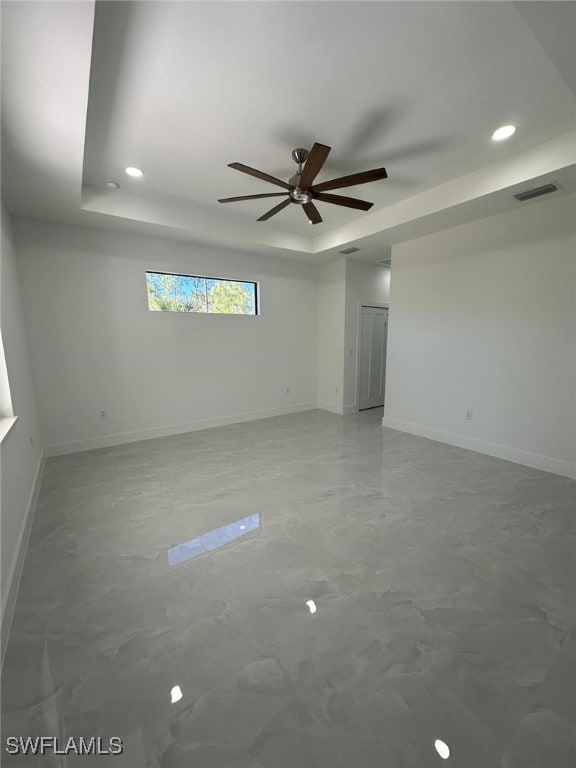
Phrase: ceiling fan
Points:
(301, 189)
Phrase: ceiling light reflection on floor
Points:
(176, 694)
(442, 748)
(213, 540)
(312, 607)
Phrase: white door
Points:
(372, 372)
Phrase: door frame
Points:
(360, 304)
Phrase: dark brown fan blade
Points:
(252, 197)
(259, 174)
(312, 166)
(312, 212)
(275, 210)
(352, 181)
(347, 202)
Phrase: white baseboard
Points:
(348, 409)
(331, 407)
(106, 441)
(533, 460)
(15, 572)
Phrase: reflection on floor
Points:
(213, 540)
(400, 597)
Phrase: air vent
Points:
(346, 251)
(536, 192)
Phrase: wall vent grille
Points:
(536, 192)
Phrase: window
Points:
(186, 293)
(7, 418)
(6, 410)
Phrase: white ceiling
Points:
(182, 89)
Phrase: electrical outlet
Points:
(287, 390)
(468, 415)
(101, 414)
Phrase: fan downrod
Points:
(297, 195)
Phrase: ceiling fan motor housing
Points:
(297, 195)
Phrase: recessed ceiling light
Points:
(136, 172)
(503, 133)
(111, 184)
(442, 748)
(176, 694)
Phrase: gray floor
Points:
(442, 580)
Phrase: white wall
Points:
(95, 346)
(365, 284)
(20, 452)
(331, 323)
(483, 317)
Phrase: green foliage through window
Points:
(186, 293)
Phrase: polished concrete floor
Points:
(307, 591)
